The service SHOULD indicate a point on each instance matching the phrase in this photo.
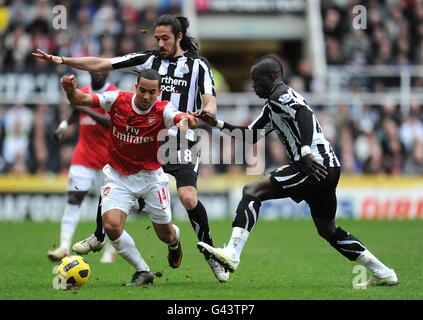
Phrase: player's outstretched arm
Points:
(209, 102)
(102, 119)
(60, 132)
(83, 63)
(213, 121)
(74, 95)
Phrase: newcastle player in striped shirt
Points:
(311, 176)
(187, 82)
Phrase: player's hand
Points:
(312, 167)
(59, 135)
(192, 122)
(47, 57)
(187, 122)
(68, 83)
(206, 116)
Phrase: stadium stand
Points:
(377, 131)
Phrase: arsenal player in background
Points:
(133, 170)
(88, 160)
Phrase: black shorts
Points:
(184, 174)
(290, 182)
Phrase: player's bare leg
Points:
(169, 234)
(96, 241)
(114, 222)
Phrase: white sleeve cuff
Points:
(305, 150)
(63, 125)
(220, 124)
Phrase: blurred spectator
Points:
(171, 6)
(84, 44)
(334, 53)
(20, 12)
(389, 110)
(347, 152)
(44, 147)
(392, 148)
(17, 46)
(87, 6)
(356, 47)
(332, 26)
(105, 21)
(148, 15)
(363, 146)
(15, 148)
(374, 162)
(414, 164)
(275, 153)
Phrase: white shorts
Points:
(83, 178)
(122, 192)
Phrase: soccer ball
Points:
(73, 272)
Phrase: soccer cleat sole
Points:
(81, 253)
(220, 259)
(222, 277)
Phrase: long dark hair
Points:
(179, 24)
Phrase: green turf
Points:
(282, 260)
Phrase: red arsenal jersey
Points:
(92, 148)
(133, 132)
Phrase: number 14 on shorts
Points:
(163, 195)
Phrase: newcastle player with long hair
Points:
(187, 82)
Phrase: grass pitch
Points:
(283, 259)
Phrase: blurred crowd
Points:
(370, 139)
(377, 138)
(92, 27)
(392, 34)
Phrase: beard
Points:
(170, 54)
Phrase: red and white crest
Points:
(106, 191)
(151, 119)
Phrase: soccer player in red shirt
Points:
(87, 162)
(133, 170)
(187, 81)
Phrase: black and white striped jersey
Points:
(279, 115)
(184, 79)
